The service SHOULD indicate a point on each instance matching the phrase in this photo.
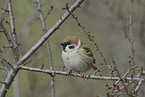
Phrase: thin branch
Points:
(53, 72)
(121, 80)
(121, 88)
(49, 11)
(47, 46)
(27, 62)
(98, 70)
(13, 32)
(2, 82)
(6, 33)
(138, 86)
(7, 46)
(16, 92)
(4, 68)
(131, 32)
(12, 74)
(128, 71)
(4, 9)
(8, 63)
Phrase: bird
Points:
(77, 56)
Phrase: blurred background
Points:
(104, 19)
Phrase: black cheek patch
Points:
(71, 47)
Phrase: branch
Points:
(2, 82)
(6, 33)
(16, 92)
(8, 63)
(138, 86)
(121, 78)
(128, 71)
(47, 46)
(4, 9)
(14, 71)
(52, 72)
(44, 31)
(13, 32)
(131, 33)
(49, 11)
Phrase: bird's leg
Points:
(62, 67)
(69, 71)
(84, 75)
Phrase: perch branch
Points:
(52, 72)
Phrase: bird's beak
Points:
(63, 44)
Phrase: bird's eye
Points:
(71, 47)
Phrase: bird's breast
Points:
(76, 61)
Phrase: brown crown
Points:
(71, 39)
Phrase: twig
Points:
(98, 70)
(128, 71)
(52, 72)
(13, 32)
(6, 46)
(6, 33)
(4, 8)
(49, 11)
(138, 86)
(2, 82)
(12, 74)
(122, 87)
(47, 46)
(16, 89)
(4, 68)
(27, 62)
(126, 90)
(8, 63)
(131, 33)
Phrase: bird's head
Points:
(70, 43)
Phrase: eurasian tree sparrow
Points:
(77, 57)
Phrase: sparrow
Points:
(76, 56)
